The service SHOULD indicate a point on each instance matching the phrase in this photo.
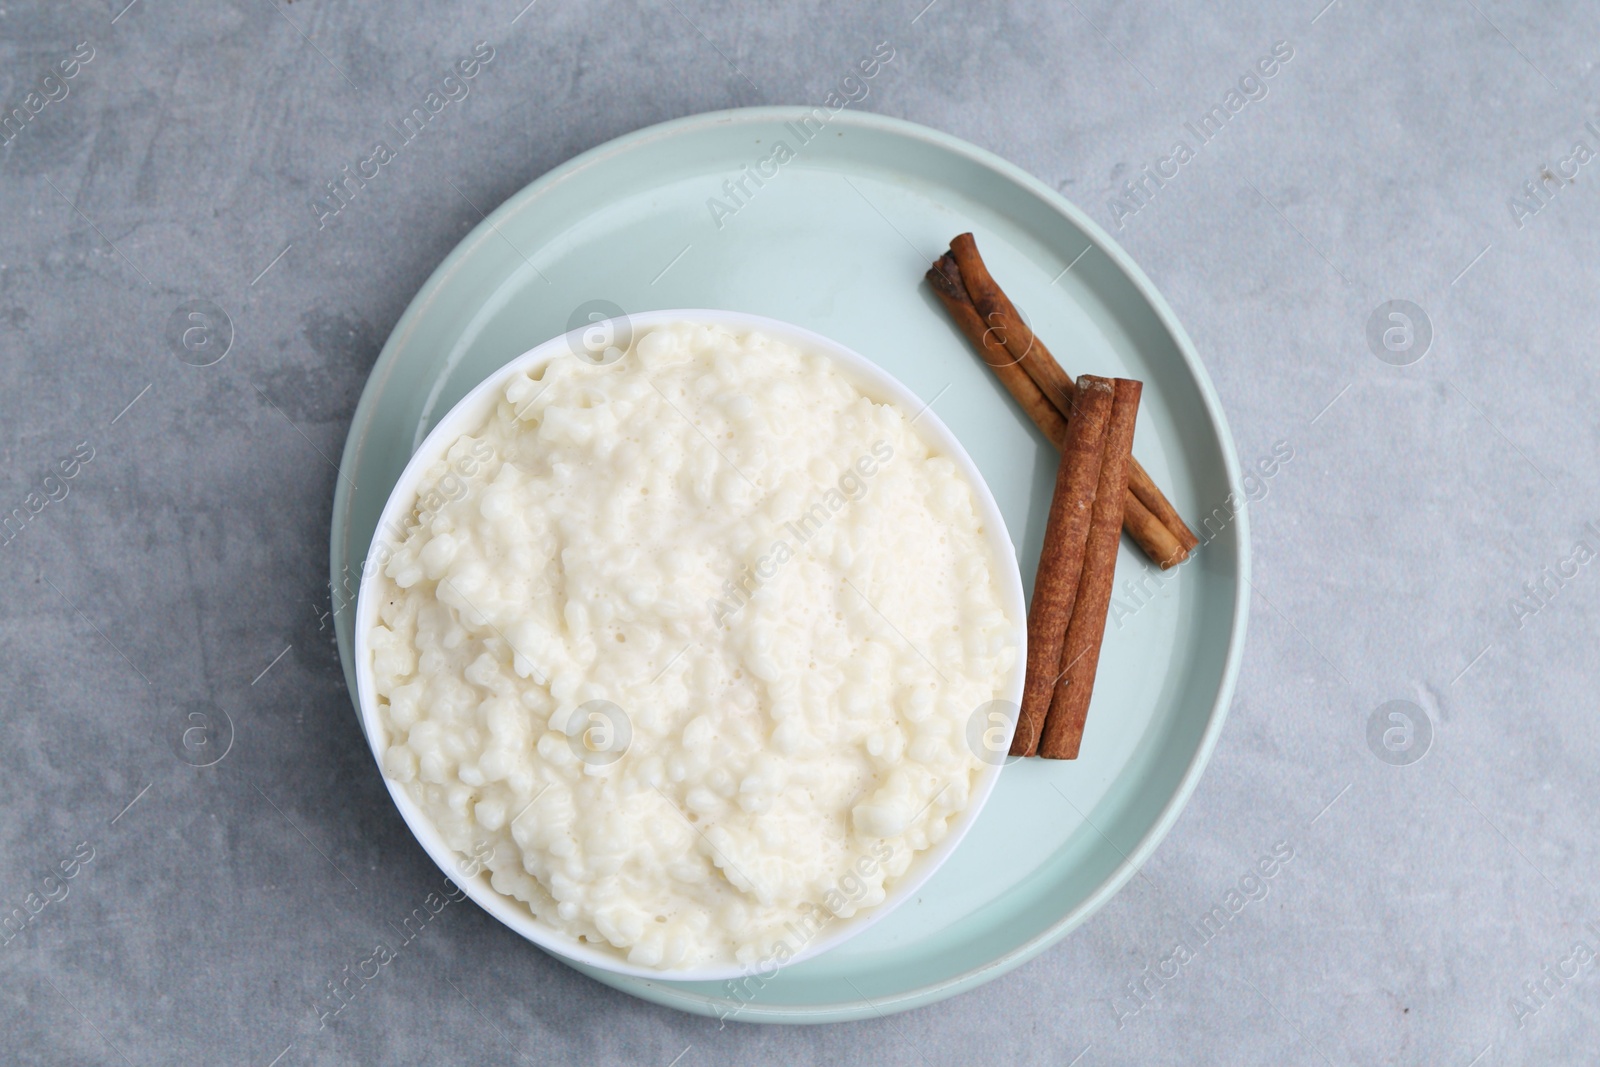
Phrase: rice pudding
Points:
(682, 647)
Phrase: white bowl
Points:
(467, 415)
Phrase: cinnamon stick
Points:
(1147, 530)
(1003, 321)
(1056, 584)
(1141, 485)
(1001, 315)
(1073, 679)
(946, 281)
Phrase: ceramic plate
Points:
(830, 224)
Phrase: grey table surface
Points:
(1436, 909)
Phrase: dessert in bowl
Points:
(690, 644)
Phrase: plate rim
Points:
(669, 994)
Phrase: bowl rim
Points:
(464, 416)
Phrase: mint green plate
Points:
(836, 239)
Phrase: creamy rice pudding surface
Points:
(684, 646)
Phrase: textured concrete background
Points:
(1431, 910)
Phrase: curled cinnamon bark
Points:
(1148, 531)
(1080, 652)
(1002, 321)
(1056, 584)
(946, 281)
(1000, 315)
